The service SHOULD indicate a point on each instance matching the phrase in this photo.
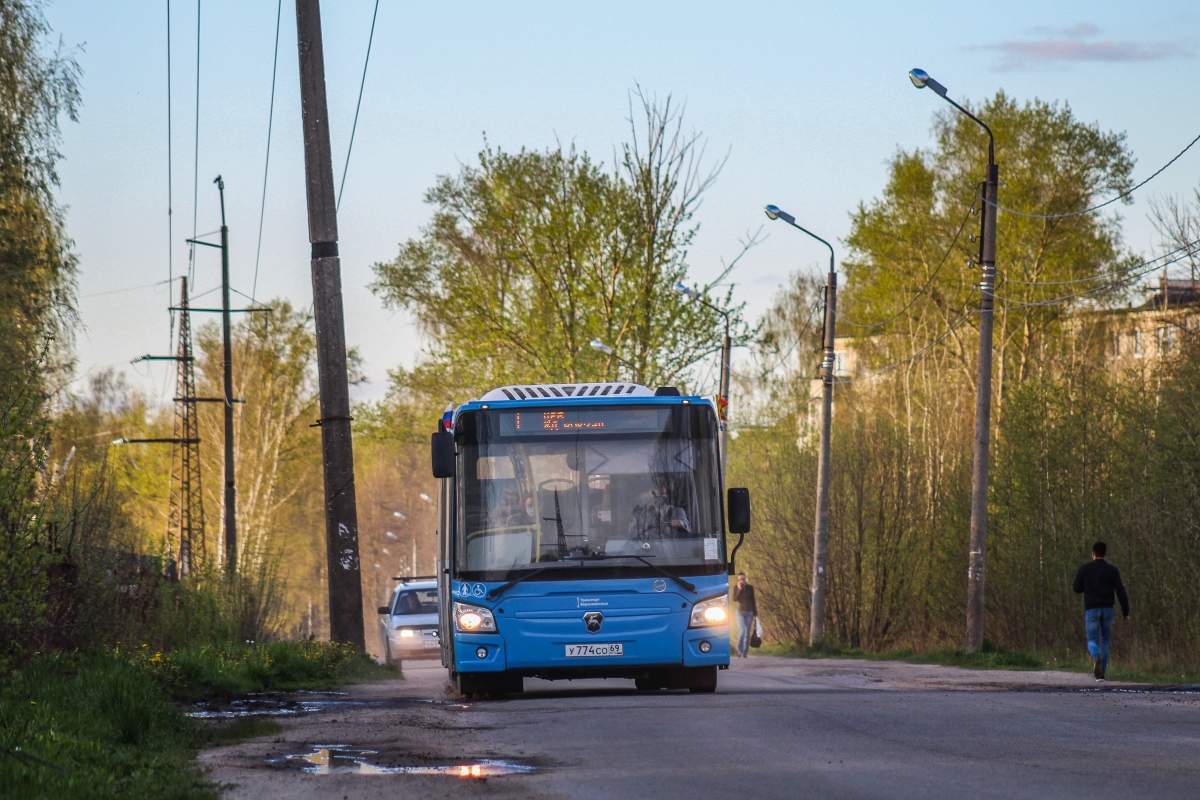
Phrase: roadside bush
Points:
(227, 670)
(94, 726)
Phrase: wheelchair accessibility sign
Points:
(471, 591)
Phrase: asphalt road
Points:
(775, 728)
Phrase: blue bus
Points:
(582, 534)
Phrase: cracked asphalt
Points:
(776, 727)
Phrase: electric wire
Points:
(262, 211)
(1119, 271)
(795, 342)
(170, 174)
(126, 289)
(958, 323)
(357, 107)
(195, 155)
(170, 200)
(928, 283)
(1149, 266)
(1122, 195)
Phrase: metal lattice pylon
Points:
(186, 518)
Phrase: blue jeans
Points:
(1099, 631)
(745, 626)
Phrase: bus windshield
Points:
(616, 487)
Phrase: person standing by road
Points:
(747, 612)
(1098, 581)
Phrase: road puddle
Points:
(339, 759)
(293, 703)
(1190, 689)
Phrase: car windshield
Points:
(415, 601)
(546, 489)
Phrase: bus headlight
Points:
(473, 619)
(706, 613)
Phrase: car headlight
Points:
(473, 619)
(706, 613)
(406, 633)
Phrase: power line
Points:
(354, 127)
(917, 355)
(126, 289)
(262, 212)
(795, 342)
(1122, 195)
(170, 174)
(196, 155)
(928, 283)
(1105, 275)
(1150, 266)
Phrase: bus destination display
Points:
(583, 420)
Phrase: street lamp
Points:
(726, 347)
(983, 384)
(816, 626)
(601, 347)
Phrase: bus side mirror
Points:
(384, 610)
(442, 450)
(738, 508)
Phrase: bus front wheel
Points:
(488, 684)
(702, 680)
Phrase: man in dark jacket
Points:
(1098, 581)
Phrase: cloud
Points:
(1077, 43)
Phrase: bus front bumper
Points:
(545, 655)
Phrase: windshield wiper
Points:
(685, 584)
(499, 590)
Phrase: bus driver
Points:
(655, 518)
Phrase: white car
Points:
(408, 624)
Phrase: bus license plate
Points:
(590, 650)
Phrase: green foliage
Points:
(531, 255)
(36, 267)
(1050, 163)
(94, 727)
(902, 443)
(207, 671)
(104, 724)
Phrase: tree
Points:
(531, 255)
(276, 450)
(909, 249)
(37, 268)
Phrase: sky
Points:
(808, 102)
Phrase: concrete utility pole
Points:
(227, 379)
(816, 622)
(983, 383)
(337, 447)
(983, 403)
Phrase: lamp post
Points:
(723, 396)
(816, 624)
(601, 347)
(983, 384)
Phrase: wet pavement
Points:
(775, 728)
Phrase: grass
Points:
(108, 724)
(991, 657)
(231, 670)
